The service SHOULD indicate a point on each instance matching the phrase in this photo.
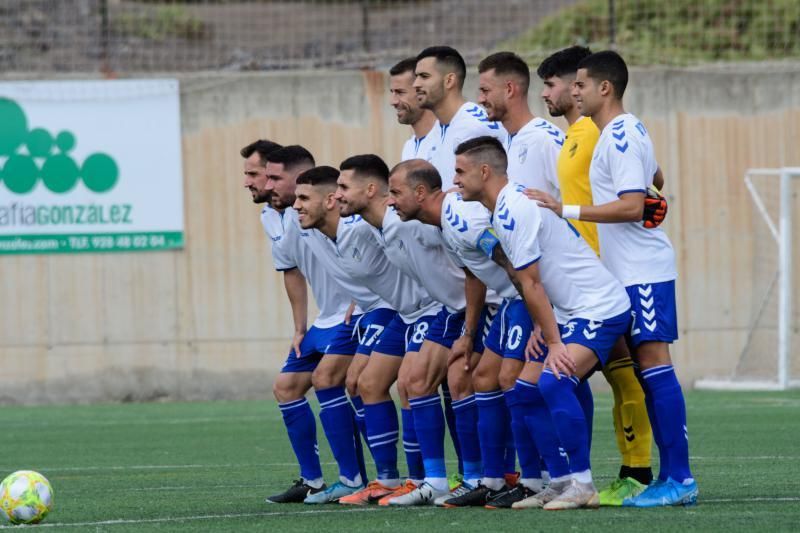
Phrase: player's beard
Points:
(261, 197)
(347, 209)
(496, 112)
(560, 107)
(409, 116)
(432, 98)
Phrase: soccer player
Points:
(622, 169)
(565, 287)
(425, 134)
(318, 357)
(418, 251)
(415, 188)
(349, 250)
(404, 101)
(439, 82)
(631, 422)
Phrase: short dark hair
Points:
(448, 57)
(291, 156)
(419, 172)
(487, 149)
(263, 147)
(319, 176)
(563, 63)
(607, 66)
(366, 166)
(505, 63)
(406, 65)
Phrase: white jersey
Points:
(577, 283)
(290, 250)
(624, 161)
(421, 147)
(360, 265)
(419, 251)
(463, 223)
(470, 121)
(533, 154)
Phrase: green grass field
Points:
(208, 467)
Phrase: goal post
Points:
(774, 315)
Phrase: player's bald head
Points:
(418, 172)
(485, 150)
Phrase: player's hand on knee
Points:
(536, 345)
(461, 348)
(559, 361)
(655, 209)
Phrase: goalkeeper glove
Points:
(655, 209)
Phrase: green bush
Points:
(160, 23)
(673, 32)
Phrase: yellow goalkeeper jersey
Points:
(573, 173)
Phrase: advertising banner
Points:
(90, 166)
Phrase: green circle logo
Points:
(99, 172)
(13, 126)
(60, 173)
(20, 173)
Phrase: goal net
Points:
(770, 356)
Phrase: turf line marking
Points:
(744, 500)
(196, 518)
(331, 463)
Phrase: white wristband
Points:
(571, 211)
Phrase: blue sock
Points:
(492, 423)
(541, 428)
(568, 418)
(358, 405)
(450, 417)
(429, 423)
(467, 426)
(336, 416)
(584, 393)
(383, 430)
(670, 411)
(663, 456)
(302, 430)
(510, 462)
(416, 470)
(526, 448)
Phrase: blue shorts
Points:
(484, 326)
(399, 338)
(341, 339)
(600, 336)
(446, 328)
(511, 330)
(370, 328)
(654, 314)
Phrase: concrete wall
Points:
(212, 321)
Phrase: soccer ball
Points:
(25, 497)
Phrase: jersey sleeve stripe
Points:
(526, 265)
(626, 191)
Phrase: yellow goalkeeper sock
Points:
(631, 422)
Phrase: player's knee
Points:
(651, 354)
(370, 387)
(322, 380)
(287, 388)
(459, 381)
(507, 378)
(484, 379)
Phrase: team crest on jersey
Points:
(357, 254)
(523, 154)
(573, 150)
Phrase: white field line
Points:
(612, 459)
(195, 518)
(316, 512)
